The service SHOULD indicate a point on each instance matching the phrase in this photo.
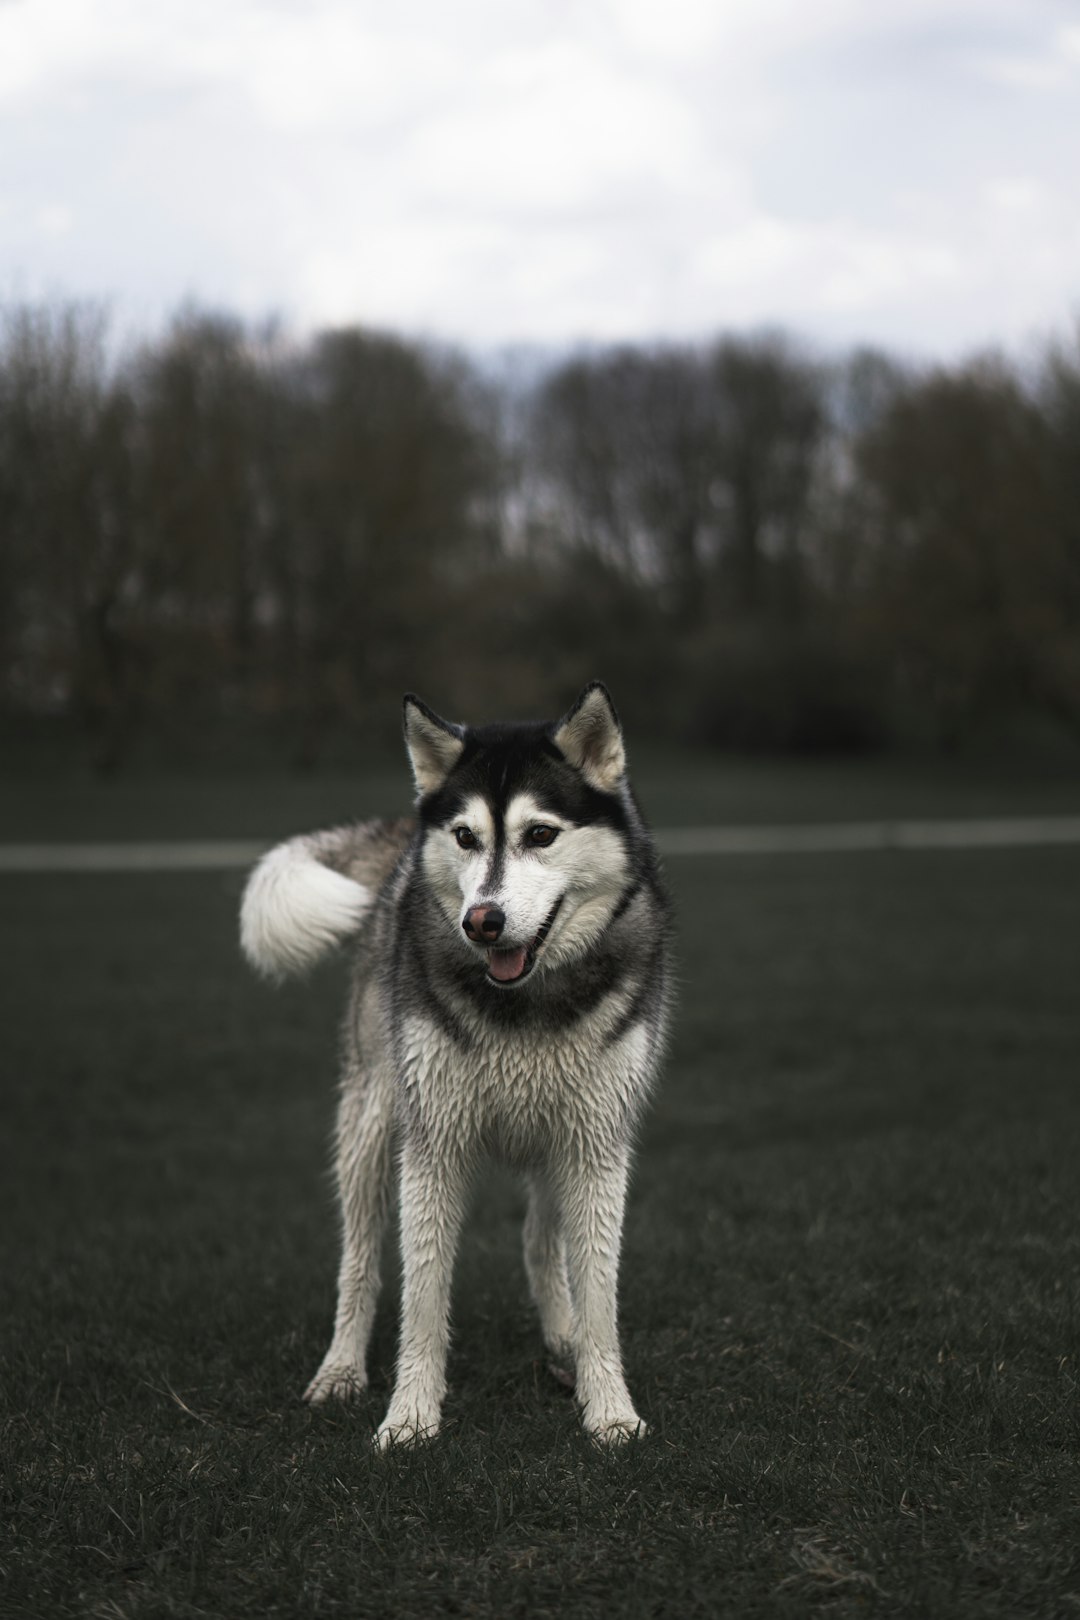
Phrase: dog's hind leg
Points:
(364, 1144)
(545, 1267)
(592, 1196)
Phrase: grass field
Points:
(850, 1302)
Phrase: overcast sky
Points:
(552, 170)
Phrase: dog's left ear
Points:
(434, 745)
(590, 737)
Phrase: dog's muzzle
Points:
(511, 965)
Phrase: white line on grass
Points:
(846, 837)
(142, 857)
(825, 838)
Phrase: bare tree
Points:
(65, 500)
(386, 471)
(969, 590)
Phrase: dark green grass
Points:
(849, 1308)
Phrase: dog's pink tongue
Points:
(506, 965)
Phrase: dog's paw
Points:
(616, 1429)
(406, 1431)
(336, 1381)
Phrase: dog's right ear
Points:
(434, 745)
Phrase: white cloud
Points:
(838, 266)
(1016, 194)
(1068, 44)
(53, 219)
(1050, 62)
(1024, 72)
(558, 131)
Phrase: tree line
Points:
(757, 547)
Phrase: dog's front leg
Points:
(433, 1185)
(593, 1196)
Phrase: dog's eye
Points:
(466, 839)
(541, 836)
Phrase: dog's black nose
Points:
(484, 924)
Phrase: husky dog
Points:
(509, 998)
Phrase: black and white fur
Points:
(509, 998)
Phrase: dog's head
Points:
(525, 831)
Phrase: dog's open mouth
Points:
(510, 966)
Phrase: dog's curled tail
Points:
(310, 894)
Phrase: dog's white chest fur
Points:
(523, 1095)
